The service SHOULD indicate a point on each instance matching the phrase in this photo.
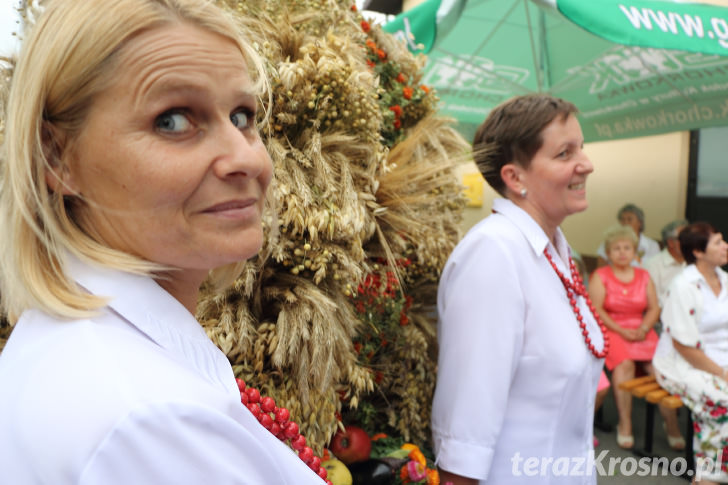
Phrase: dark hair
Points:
(512, 133)
(695, 238)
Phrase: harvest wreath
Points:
(334, 318)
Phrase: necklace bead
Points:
(575, 287)
(276, 420)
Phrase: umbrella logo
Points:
(626, 70)
(653, 66)
(475, 74)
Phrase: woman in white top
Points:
(132, 168)
(520, 351)
(692, 356)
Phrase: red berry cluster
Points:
(276, 420)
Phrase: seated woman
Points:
(632, 216)
(692, 356)
(625, 298)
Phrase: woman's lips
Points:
(236, 209)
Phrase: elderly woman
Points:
(132, 167)
(625, 299)
(632, 216)
(692, 356)
(520, 348)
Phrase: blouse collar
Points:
(534, 234)
(694, 275)
(157, 314)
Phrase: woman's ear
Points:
(58, 175)
(511, 175)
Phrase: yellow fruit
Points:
(337, 472)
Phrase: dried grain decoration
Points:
(364, 185)
(365, 180)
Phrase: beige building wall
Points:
(650, 172)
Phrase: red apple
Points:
(351, 445)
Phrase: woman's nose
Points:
(240, 153)
(585, 163)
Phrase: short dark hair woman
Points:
(521, 350)
(692, 356)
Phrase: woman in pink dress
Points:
(626, 301)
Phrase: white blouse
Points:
(516, 382)
(136, 395)
(694, 316)
(714, 326)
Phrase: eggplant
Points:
(376, 471)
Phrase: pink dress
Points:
(626, 304)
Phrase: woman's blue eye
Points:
(172, 122)
(241, 119)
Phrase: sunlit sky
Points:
(8, 25)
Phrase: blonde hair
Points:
(69, 57)
(619, 233)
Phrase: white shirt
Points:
(515, 378)
(694, 316)
(663, 268)
(138, 395)
(646, 248)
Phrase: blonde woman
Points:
(632, 216)
(132, 168)
(625, 298)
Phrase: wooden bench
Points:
(648, 389)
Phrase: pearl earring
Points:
(524, 192)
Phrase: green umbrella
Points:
(627, 81)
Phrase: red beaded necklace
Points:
(576, 288)
(275, 420)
